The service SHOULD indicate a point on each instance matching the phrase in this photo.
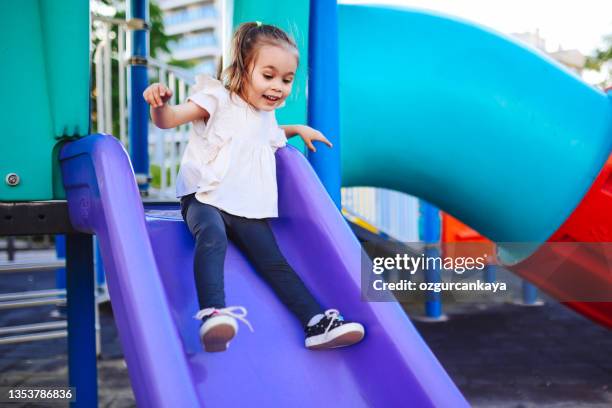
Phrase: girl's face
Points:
(271, 77)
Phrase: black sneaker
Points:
(332, 331)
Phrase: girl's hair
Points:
(247, 40)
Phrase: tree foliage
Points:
(601, 55)
(159, 43)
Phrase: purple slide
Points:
(148, 258)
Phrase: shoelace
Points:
(227, 311)
(332, 315)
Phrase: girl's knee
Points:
(212, 236)
(278, 266)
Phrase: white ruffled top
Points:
(229, 162)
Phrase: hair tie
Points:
(258, 23)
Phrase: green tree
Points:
(600, 57)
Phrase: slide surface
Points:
(149, 263)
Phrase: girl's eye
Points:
(287, 81)
(267, 76)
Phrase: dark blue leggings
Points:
(211, 228)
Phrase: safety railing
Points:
(394, 213)
(110, 59)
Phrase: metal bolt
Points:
(12, 179)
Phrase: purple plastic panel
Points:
(150, 276)
(103, 199)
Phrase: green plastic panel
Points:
(293, 17)
(45, 67)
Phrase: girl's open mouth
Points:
(271, 98)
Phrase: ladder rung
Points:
(22, 338)
(14, 304)
(32, 294)
(32, 266)
(34, 327)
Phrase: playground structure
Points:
(528, 200)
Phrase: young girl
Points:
(227, 182)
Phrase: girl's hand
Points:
(309, 135)
(157, 95)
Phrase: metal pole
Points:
(80, 285)
(10, 248)
(173, 135)
(323, 93)
(99, 265)
(31, 266)
(530, 295)
(100, 278)
(182, 93)
(433, 302)
(99, 61)
(33, 294)
(138, 119)
(33, 327)
(108, 88)
(16, 304)
(430, 230)
(60, 273)
(22, 338)
(122, 97)
(490, 275)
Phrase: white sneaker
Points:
(220, 326)
(332, 331)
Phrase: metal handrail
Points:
(178, 72)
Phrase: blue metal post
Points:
(323, 93)
(430, 235)
(138, 118)
(60, 253)
(99, 265)
(433, 304)
(80, 286)
(530, 294)
(60, 273)
(490, 275)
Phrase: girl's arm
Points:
(165, 116)
(307, 134)
(290, 130)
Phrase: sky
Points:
(571, 24)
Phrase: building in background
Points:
(573, 59)
(198, 24)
